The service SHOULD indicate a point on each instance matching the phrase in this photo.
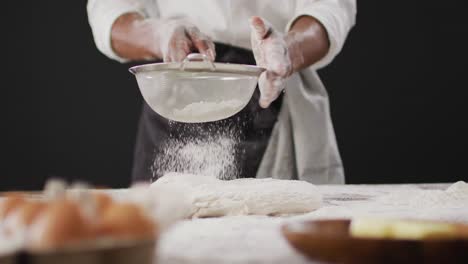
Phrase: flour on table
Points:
(423, 204)
(227, 240)
(204, 196)
(197, 111)
(394, 201)
(453, 197)
(459, 188)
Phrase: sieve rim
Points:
(195, 66)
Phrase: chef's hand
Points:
(271, 52)
(134, 37)
(283, 54)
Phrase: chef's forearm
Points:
(307, 42)
(130, 41)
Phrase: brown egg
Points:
(61, 223)
(30, 210)
(19, 219)
(103, 201)
(9, 204)
(462, 230)
(126, 220)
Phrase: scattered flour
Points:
(443, 205)
(207, 111)
(232, 240)
(456, 196)
(394, 201)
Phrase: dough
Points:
(203, 196)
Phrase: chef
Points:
(286, 130)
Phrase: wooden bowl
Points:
(118, 252)
(8, 258)
(330, 240)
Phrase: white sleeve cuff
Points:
(336, 18)
(102, 15)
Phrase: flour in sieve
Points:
(202, 110)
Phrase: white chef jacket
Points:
(302, 145)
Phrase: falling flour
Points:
(210, 152)
(207, 111)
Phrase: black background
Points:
(397, 92)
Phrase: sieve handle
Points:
(197, 57)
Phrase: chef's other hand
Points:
(171, 40)
(283, 54)
(271, 52)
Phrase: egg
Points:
(17, 222)
(29, 211)
(126, 220)
(91, 203)
(102, 201)
(61, 223)
(9, 204)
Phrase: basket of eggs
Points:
(75, 225)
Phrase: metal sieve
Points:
(196, 90)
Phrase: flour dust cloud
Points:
(199, 149)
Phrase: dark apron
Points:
(252, 128)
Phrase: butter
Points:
(370, 228)
(400, 229)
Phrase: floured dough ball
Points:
(172, 203)
(204, 196)
(61, 223)
(126, 220)
(9, 204)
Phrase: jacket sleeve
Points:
(337, 16)
(102, 15)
